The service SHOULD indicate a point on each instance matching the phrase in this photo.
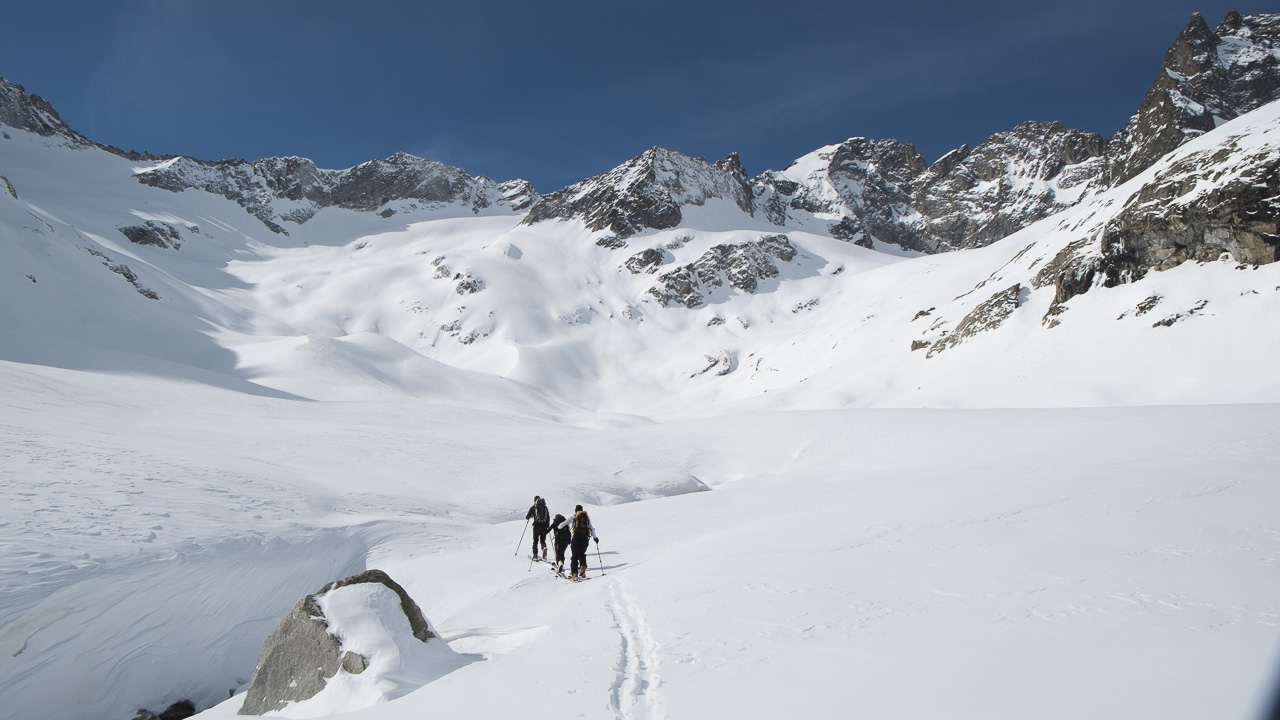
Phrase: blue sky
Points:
(556, 91)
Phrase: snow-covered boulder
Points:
(354, 643)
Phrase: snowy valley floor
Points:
(1084, 563)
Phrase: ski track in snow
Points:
(634, 695)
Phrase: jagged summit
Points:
(1208, 77)
(33, 113)
(647, 192)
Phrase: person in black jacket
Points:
(541, 524)
(583, 533)
(562, 535)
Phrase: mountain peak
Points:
(1208, 77)
(647, 192)
(33, 113)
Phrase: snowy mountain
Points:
(834, 470)
(719, 304)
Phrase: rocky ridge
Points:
(883, 191)
(293, 189)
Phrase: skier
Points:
(562, 534)
(583, 531)
(541, 524)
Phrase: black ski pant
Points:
(561, 546)
(540, 531)
(579, 559)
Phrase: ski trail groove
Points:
(634, 694)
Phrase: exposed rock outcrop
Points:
(741, 265)
(1190, 211)
(646, 261)
(988, 315)
(155, 234)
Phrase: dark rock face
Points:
(972, 199)
(177, 711)
(151, 233)
(646, 192)
(1071, 272)
(868, 184)
(300, 655)
(646, 261)
(1208, 77)
(742, 266)
(883, 190)
(1168, 223)
(32, 113)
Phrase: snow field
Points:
(1091, 562)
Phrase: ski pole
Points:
(522, 532)
(598, 557)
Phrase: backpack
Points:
(540, 514)
(581, 522)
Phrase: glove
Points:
(597, 540)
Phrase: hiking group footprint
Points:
(634, 695)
